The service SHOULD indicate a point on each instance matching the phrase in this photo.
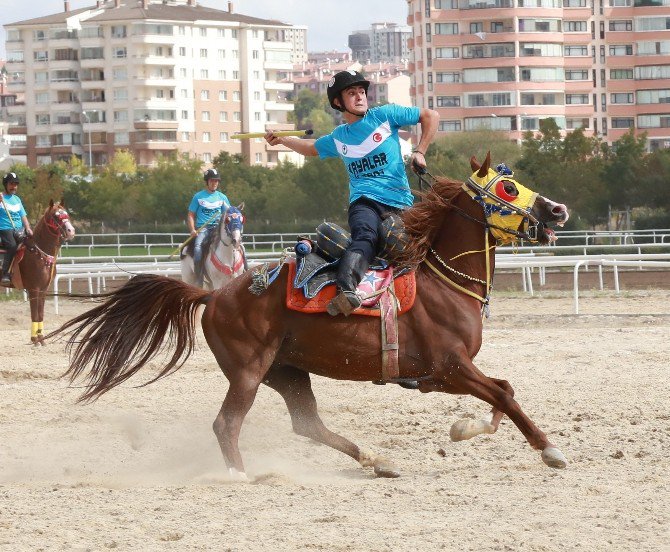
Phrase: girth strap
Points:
(389, 325)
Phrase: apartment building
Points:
(389, 82)
(600, 65)
(381, 42)
(152, 76)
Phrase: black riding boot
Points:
(7, 263)
(350, 272)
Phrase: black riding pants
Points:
(365, 220)
(9, 243)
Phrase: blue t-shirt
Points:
(370, 150)
(16, 210)
(205, 204)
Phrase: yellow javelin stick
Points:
(185, 242)
(248, 135)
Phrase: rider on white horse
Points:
(204, 213)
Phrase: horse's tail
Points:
(125, 332)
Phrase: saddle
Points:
(314, 270)
(17, 282)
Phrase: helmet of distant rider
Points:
(211, 174)
(341, 81)
(9, 178)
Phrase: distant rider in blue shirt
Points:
(368, 145)
(11, 228)
(204, 213)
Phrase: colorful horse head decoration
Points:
(257, 340)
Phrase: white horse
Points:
(225, 258)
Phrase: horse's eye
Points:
(506, 190)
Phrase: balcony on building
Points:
(17, 124)
(155, 139)
(152, 33)
(155, 119)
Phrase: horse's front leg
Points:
(458, 375)
(37, 298)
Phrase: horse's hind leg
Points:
(467, 428)
(295, 387)
(228, 422)
(458, 375)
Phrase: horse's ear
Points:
(51, 203)
(473, 164)
(62, 202)
(241, 206)
(484, 169)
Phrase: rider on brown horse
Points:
(13, 221)
(368, 145)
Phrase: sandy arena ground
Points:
(141, 470)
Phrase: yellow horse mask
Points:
(506, 203)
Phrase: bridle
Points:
(56, 223)
(231, 221)
(494, 206)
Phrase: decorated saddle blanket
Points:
(310, 287)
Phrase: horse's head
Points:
(512, 210)
(58, 222)
(231, 226)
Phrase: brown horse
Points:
(37, 267)
(256, 339)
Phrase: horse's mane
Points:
(424, 219)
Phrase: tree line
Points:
(590, 177)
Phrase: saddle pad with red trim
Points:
(405, 290)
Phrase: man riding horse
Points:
(13, 223)
(204, 213)
(369, 146)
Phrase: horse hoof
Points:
(386, 470)
(554, 458)
(467, 429)
(238, 476)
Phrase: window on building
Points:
(623, 122)
(182, 51)
(223, 136)
(621, 50)
(120, 116)
(184, 114)
(236, 95)
(204, 74)
(223, 116)
(575, 26)
(621, 74)
(204, 94)
(203, 52)
(621, 25)
(206, 137)
(448, 101)
(205, 116)
(120, 94)
(237, 116)
(40, 55)
(119, 52)
(223, 95)
(446, 28)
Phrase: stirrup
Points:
(345, 302)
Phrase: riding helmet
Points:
(10, 177)
(342, 81)
(212, 174)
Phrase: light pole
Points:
(90, 148)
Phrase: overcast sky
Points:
(329, 22)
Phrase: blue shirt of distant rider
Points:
(370, 149)
(207, 207)
(16, 210)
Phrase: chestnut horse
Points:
(37, 267)
(257, 340)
